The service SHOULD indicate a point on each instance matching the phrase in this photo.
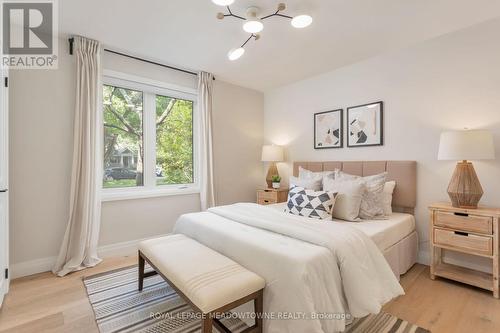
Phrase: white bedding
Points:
(385, 233)
(310, 267)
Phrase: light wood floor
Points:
(45, 303)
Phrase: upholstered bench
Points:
(210, 282)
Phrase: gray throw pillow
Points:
(308, 184)
(348, 200)
(372, 203)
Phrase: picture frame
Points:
(365, 125)
(329, 129)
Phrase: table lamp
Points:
(464, 189)
(272, 154)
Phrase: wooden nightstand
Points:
(472, 231)
(271, 196)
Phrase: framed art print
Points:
(329, 129)
(365, 125)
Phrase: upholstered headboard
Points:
(404, 173)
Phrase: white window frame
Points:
(151, 88)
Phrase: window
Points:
(149, 139)
(123, 137)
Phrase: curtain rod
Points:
(72, 40)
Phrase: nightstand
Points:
(471, 231)
(271, 196)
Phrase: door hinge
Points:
(6, 273)
(6, 82)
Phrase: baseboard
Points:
(41, 265)
(31, 267)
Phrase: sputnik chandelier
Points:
(253, 24)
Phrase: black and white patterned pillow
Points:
(309, 203)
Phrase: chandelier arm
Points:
(245, 43)
(233, 15)
(271, 15)
(276, 14)
(285, 16)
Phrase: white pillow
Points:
(372, 204)
(307, 174)
(348, 200)
(308, 184)
(387, 197)
(312, 204)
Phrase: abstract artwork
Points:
(328, 129)
(365, 125)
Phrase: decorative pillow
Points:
(308, 203)
(372, 204)
(348, 200)
(307, 174)
(309, 184)
(387, 194)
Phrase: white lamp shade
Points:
(235, 54)
(223, 2)
(301, 21)
(272, 153)
(253, 26)
(466, 145)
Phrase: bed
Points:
(318, 275)
(397, 238)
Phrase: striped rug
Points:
(120, 308)
(383, 323)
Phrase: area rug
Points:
(120, 308)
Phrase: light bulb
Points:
(301, 21)
(253, 26)
(235, 54)
(223, 2)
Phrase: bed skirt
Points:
(403, 255)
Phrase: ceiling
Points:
(185, 33)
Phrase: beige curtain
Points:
(79, 246)
(205, 91)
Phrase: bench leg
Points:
(206, 326)
(141, 272)
(259, 310)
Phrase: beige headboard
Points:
(404, 173)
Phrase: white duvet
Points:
(315, 271)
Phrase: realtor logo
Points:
(29, 34)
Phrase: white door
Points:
(4, 236)
(4, 184)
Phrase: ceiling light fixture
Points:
(236, 53)
(223, 2)
(301, 21)
(253, 24)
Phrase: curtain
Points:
(79, 246)
(205, 91)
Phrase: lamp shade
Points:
(466, 145)
(272, 153)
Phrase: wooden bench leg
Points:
(207, 324)
(259, 311)
(141, 272)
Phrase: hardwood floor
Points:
(45, 303)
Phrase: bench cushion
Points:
(209, 279)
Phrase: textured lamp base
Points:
(273, 171)
(465, 190)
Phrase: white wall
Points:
(238, 119)
(41, 138)
(450, 82)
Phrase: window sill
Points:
(132, 194)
